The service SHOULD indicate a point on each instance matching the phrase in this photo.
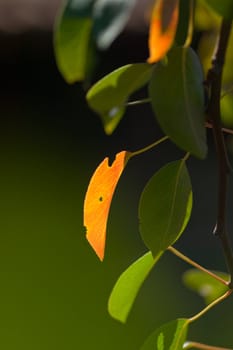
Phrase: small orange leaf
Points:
(98, 200)
(162, 28)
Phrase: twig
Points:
(149, 147)
(226, 130)
(195, 345)
(210, 306)
(138, 102)
(196, 265)
(214, 81)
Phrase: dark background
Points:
(54, 291)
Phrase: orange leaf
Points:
(162, 28)
(98, 200)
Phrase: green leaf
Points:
(110, 94)
(72, 39)
(165, 206)
(128, 285)
(205, 285)
(183, 23)
(223, 7)
(110, 18)
(170, 336)
(226, 110)
(177, 97)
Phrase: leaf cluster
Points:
(185, 97)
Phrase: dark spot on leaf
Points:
(101, 199)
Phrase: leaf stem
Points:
(210, 306)
(226, 130)
(148, 100)
(189, 37)
(214, 81)
(196, 265)
(191, 344)
(147, 148)
(138, 102)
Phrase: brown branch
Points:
(214, 82)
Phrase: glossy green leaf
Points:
(206, 286)
(223, 7)
(72, 39)
(170, 336)
(110, 18)
(177, 97)
(165, 206)
(110, 94)
(128, 286)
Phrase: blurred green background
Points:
(54, 291)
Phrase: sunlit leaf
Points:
(165, 206)
(128, 286)
(98, 200)
(110, 94)
(162, 28)
(170, 336)
(72, 39)
(205, 285)
(177, 97)
(223, 7)
(110, 18)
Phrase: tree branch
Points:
(214, 81)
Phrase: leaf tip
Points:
(97, 246)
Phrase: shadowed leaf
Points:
(183, 23)
(165, 206)
(98, 200)
(128, 286)
(72, 39)
(110, 18)
(177, 97)
(223, 8)
(163, 27)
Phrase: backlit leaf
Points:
(224, 7)
(206, 286)
(72, 39)
(165, 206)
(110, 18)
(128, 286)
(163, 27)
(110, 94)
(98, 200)
(170, 336)
(177, 97)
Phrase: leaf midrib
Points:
(186, 93)
(173, 201)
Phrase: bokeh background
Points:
(53, 289)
